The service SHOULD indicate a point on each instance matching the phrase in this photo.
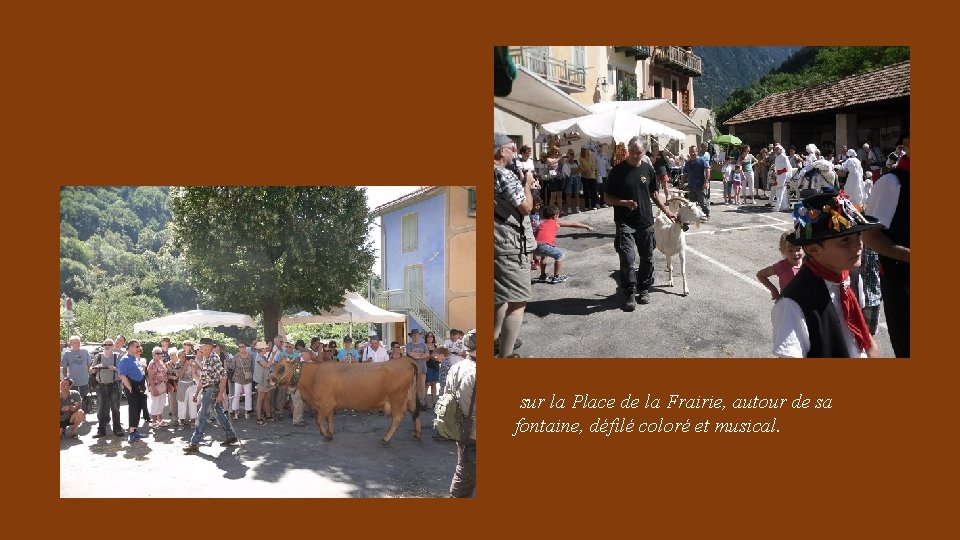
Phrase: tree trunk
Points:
(272, 310)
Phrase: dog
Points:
(670, 236)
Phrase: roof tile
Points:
(883, 84)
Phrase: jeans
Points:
(84, 400)
(108, 398)
(633, 244)
(208, 398)
(697, 196)
(464, 483)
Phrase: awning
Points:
(533, 98)
(660, 110)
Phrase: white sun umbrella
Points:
(614, 125)
(195, 318)
(355, 309)
(658, 110)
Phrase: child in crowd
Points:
(785, 269)
(737, 180)
(547, 243)
(817, 315)
(727, 171)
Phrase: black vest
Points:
(899, 232)
(826, 332)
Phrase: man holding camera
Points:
(513, 243)
(104, 370)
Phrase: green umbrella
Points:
(727, 140)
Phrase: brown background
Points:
(116, 94)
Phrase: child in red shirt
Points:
(547, 243)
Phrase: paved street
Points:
(273, 460)
(726, 315)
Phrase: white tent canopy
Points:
(534, 99)
(614, 125)
(195, 318)
(355, 309)
(660, 110)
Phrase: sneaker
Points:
(630, 304)
(228, 441)
(541, 279)
(496, 345)
(304, 423)
(558, 279)
(643, 297)
(99, 435)
(191, 449)
(118, 433)
(134, 436)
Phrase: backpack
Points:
(449, 419)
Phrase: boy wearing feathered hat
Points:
(818, 315)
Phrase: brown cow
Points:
(359, 386)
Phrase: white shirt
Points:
(603, 166)
(455, 347)
(791, 337)
(884, 198)
(379, 355)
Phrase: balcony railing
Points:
(560, 72)
(409, 301)
(679, 59)
(639, 52)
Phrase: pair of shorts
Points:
(433, 375)
(546, 250)
(556, 184)
(572, 184)
(64, 423)
(511, 278)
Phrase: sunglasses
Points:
(108, 344)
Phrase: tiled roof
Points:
(408, 199)
(883, 84)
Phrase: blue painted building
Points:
(428, 260)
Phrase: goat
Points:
(670, 236)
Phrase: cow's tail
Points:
(412, 394)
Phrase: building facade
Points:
(428, 260)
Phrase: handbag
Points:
(160, 389)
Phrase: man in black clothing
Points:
(631, 187)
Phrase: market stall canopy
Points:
(615, 125)
(660, 110)
(534, 99)
(355, 309)
(195, 318)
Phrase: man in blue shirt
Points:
(698, 174)
(134, 386)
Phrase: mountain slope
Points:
(728, 68)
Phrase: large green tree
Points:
(266, 249)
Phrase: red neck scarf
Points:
(852, 314)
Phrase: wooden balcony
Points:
(639, 52)
(678, 59)
(565, 75)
